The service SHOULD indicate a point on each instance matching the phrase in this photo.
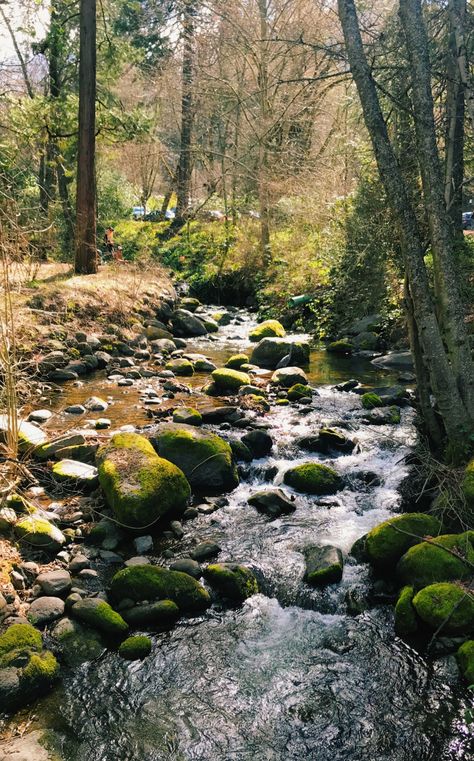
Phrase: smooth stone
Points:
(39, 416)
(75, 409)
(78, 563)
(137, 560)
(205, 551)
(43, 610)
(54, 583)
(273, 502)
(143, 544)
(187, 565)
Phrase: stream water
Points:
(290, 675)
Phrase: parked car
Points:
(153, 216)
(468, 220)
(138, 212)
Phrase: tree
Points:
(185, 166)
(86, 244)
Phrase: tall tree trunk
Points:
(457, 15)
(452, 409)
(86, 245)
(454, 140)
(263, 190)
(446, 285)
(187, 114)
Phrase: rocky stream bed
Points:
(287, 651)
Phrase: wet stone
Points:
(205, 551)
(75, 409)
(45, 609)
(143, 544)
(187, 565)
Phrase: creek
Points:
(292, 674)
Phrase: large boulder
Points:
(204, 457)
(449, 557)
(267, 329)
(398, 360)
(270, 352)
(151, 582)
(448, 607)
(387, 542)
(313, 478)
(187, 324)
(324, 565)
(229, 381)
(236, 582)
(26, 670)
(288, 376)
(139, 486)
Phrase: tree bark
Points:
(263, 194)
(86, 245)
(454, 139)
(457, 14)
(187, 114)
(452, 409)
(446, 285)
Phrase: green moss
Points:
(149, 582)
(180, 366)
(313, 478)
(267, 329)
(210, 325)
(405, 617)
(298, 391)
(139, 486)
(231, 580)
(100, 615)
(228, 380)
(468, 484)
(187, 415)
(38, 532)
(371, 400)
(465, 658)
(282, 402)
(343, 346)
(449, 606)
(19, 638)
(387, 542)
(135, 648)
(205, 458)
(41, 669)
(236, 361)
(395, 415)
(20, 504)
(443, 560)
(240, 451)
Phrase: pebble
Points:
(88, 573)
(54, 583)
(78, 563)
(75, 409)
(137, 560)
(143, 544)
(177, 529)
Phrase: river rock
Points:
(52, 449)
(100, 615)
(140, 486)
(103, 359)
(236, 582)
(162, 346)
(55, 583)
(259, 443)
(205, 551)
(204, 366)
(155, 334)
(189, 303)
(445, 605)
(288, 376)
(180, 366)
(77, 474)
(143, 544)
(399, 360)
(313, 478)
(78, 644)
(149, 582)
(449, 558)
(75, 409)
(39, 416)
(204, 457)
(187, 416)
(217, 415)
(228, 381)
(272, 502)
(162, 613)
(78, 563)
(26, 670)
(29, 435)
(327, 441)
(43, 610)
(270, 351)
(187, 565)
(96, 404)
(324, 565)
(267, 329)
(386, 543)
(38, 532)
(186, 324)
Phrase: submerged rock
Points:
(387, 542)
(313, 478)
(140, 486)
(236, 582)
(324, 565)
(149, 582)
(272, 502)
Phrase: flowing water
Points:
(290, 675)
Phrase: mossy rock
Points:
(236, 582)
(228, 381)
(18, 639)
(204, 366)
(75, 473)
(204, 457)
(298, 391)
(386, 543)
(211, 325)
(135, 648)
(236, 361)
(342, 346)
(240, 451)
(78, 644)
(100, 615)
(180, 366)
(313, 478)
(269, 352)
(443, 560)
(465, 658)
(38, 532)
(324, 565)
(26, 670)
(468, 484)
(267, 329)
(187, 415)
(405, 617)
(154, 333)
(150, 582)
(162, 614)
(139, 486)
(29, 435)
(447, 607)
(189, 303)
(371, 400)
(41, 669)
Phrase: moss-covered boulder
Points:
(405, 617)
(447, 607)
(153, 333)
(187, 416)
(289, 376)
(189, 303)
(236, 361)
(236, 582)
(269, 352)
(313, 478)
(465, 658)
(161, 614)
(100, 615)
(342, 346)
(448, 557)
(210, 325)
(299, 391)
(139, 486)
(324, 565)
(228, 381)
(267, 329)
(180, 366)
(135, 648)
(387, 542)
(468, 484)
(76, 643)
(151, 582)
(204, 457)
(38, 532)
(26, 670)
(371, 400)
